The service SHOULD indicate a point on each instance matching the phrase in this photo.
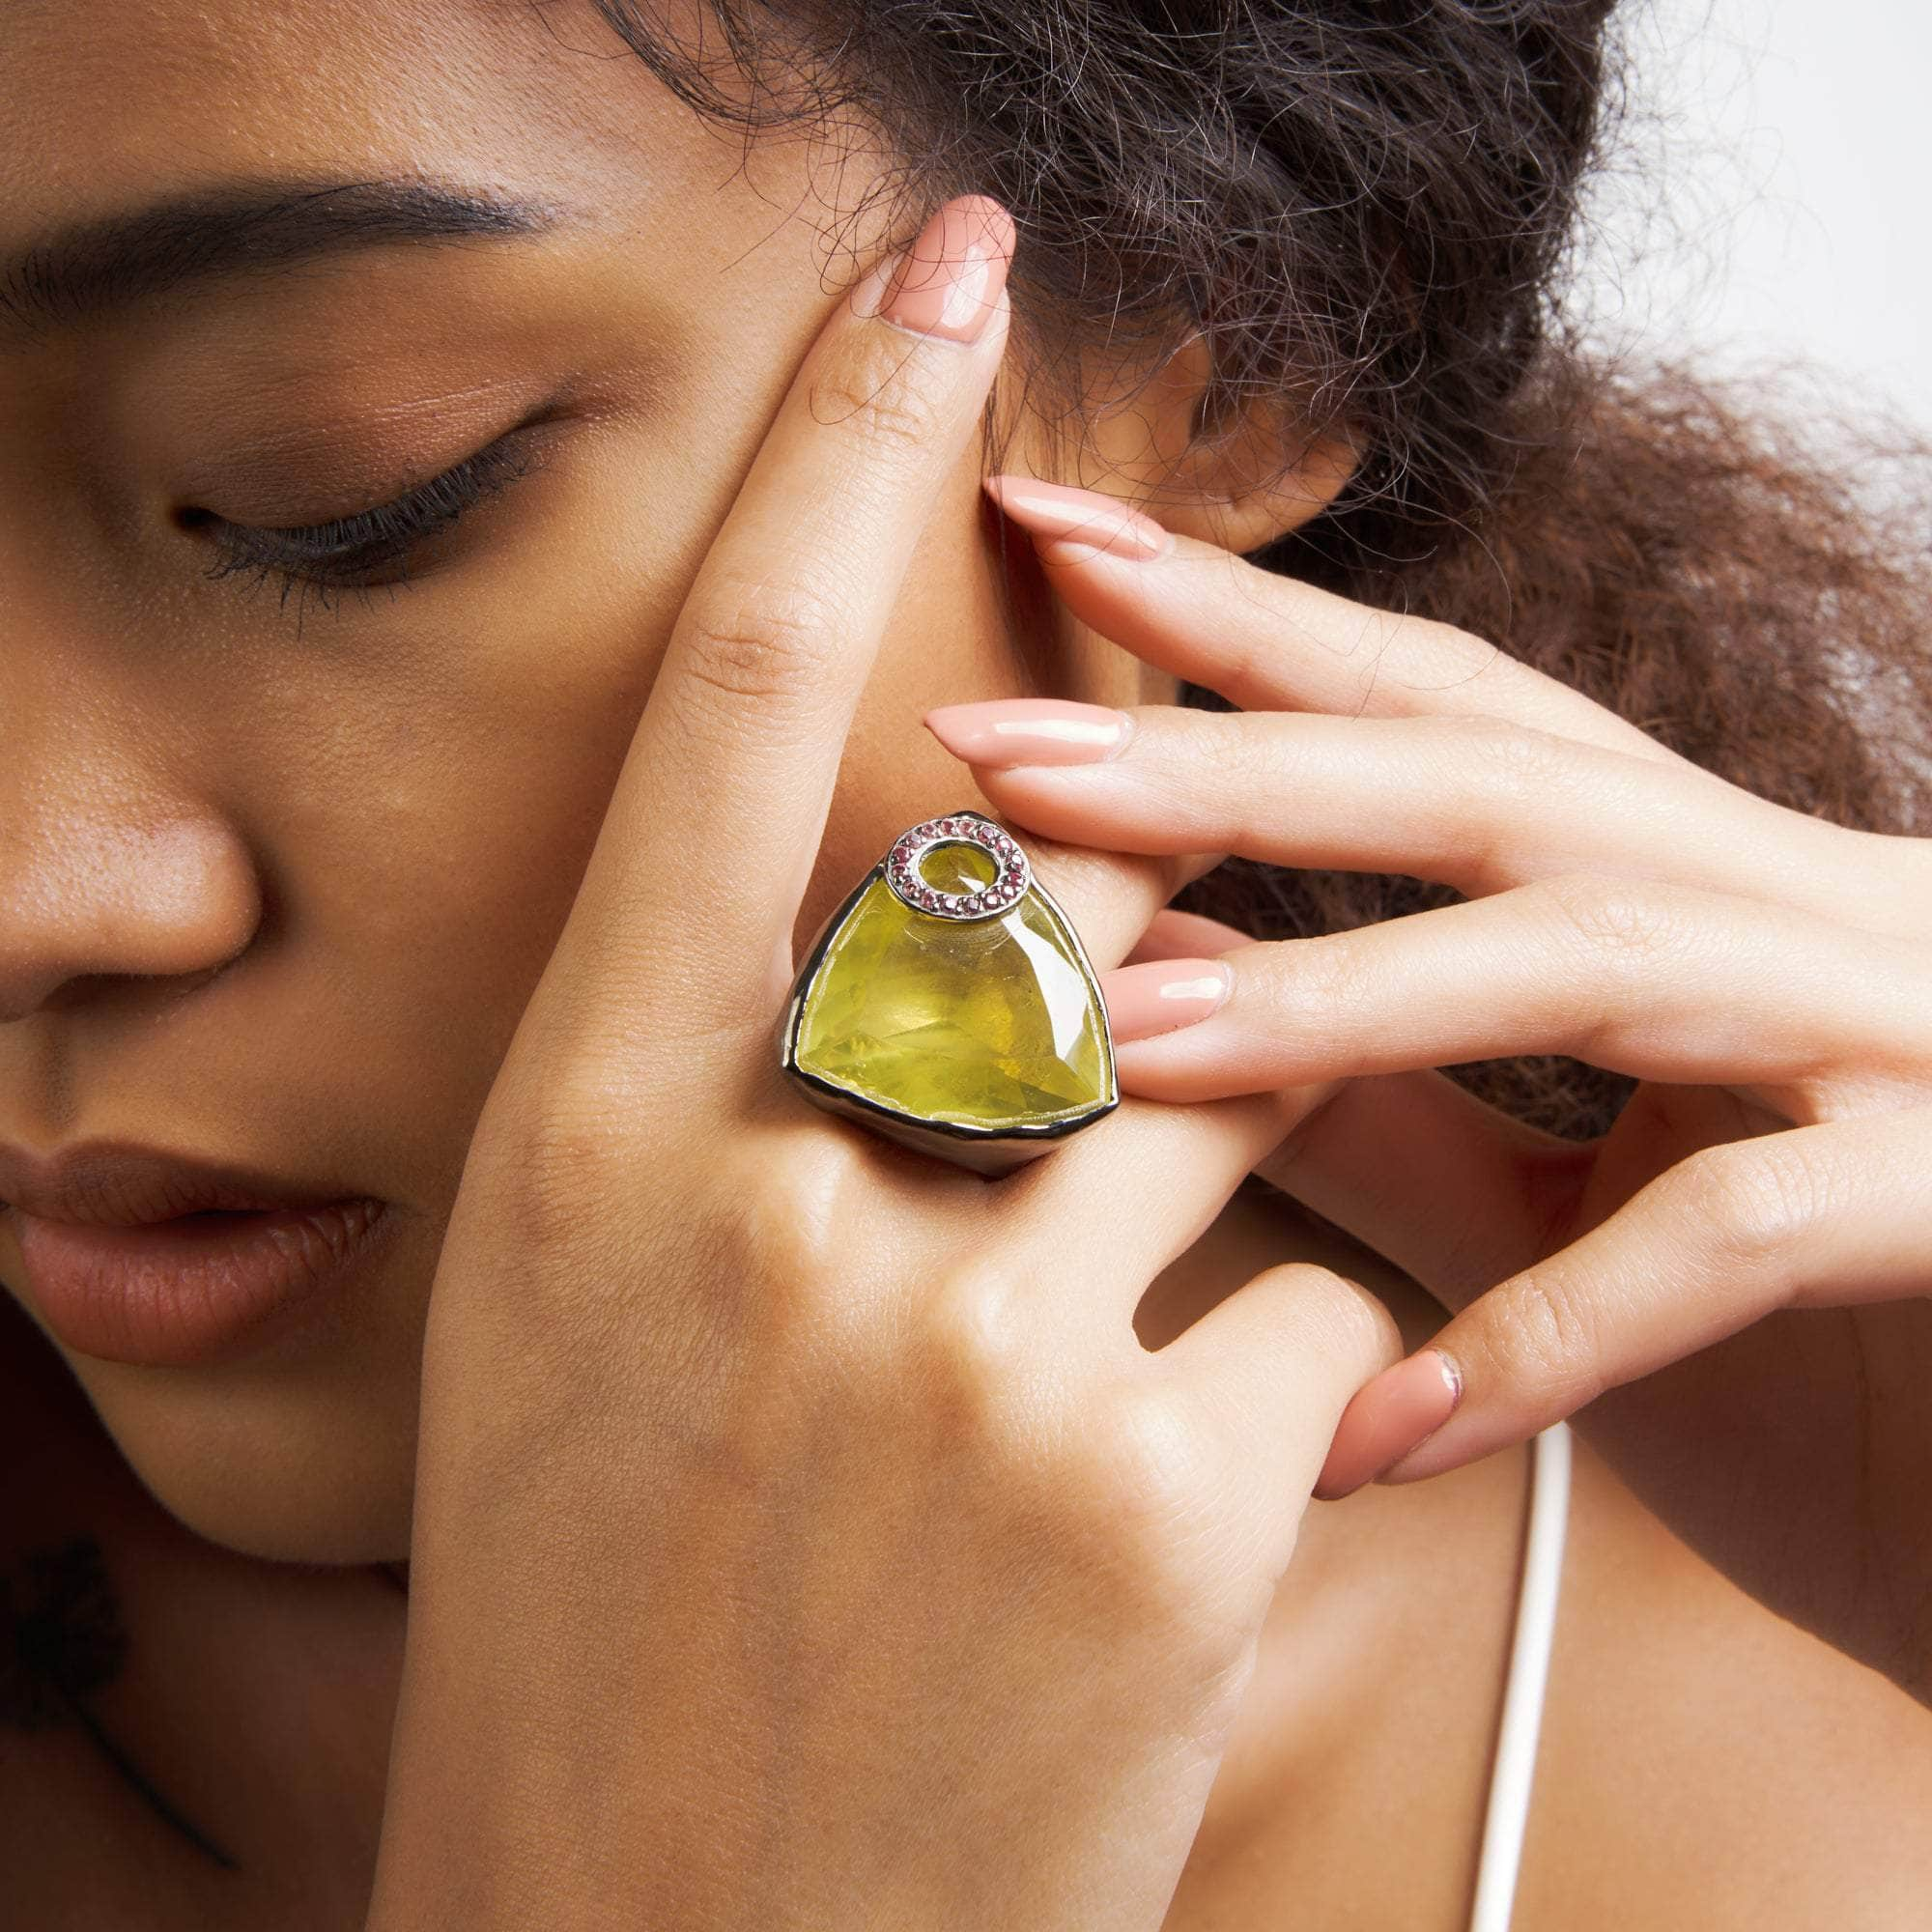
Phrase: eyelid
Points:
(342, 552)
(354, 439)
(379, 496)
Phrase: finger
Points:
(1821, 1216)
(1104, 1214)
(1656, 980)
(1474, 803)
(686, 907)
(1263, 1378)
(1450, 1189)
(1173, 934)
(1112, 898)
(1453, 1192)
(1267, 641)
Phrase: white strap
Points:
(1522, 1719)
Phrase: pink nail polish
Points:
(1031, 732)
(1388, 1418)
(948, 282)
(1096, 521)
(1162, 994)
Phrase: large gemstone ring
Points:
(949, 1004)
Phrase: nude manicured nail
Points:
(1388, 1417)
(1162, 994)
(946, 283)
(1031, 732)
(1096, 521)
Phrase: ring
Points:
(948, 1004)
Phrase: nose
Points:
(108, 866)
(115, 861)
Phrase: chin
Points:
(289, 1476)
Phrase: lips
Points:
(137, 1254)
(122, 1183)
(200, 1287)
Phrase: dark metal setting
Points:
(987, 1151)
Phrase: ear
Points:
(1239, 485)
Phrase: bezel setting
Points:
(989, 1149)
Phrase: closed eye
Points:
(363, 550)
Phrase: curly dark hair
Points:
(1370, 210)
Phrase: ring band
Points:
(948, 1004)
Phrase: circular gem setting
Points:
(997, 895)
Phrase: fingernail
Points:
(1163, 994)
(1388, 1417)
(1087, 523)
(1031, 732)
(948, 283)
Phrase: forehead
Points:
(106, 103)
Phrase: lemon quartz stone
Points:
(991, 1023)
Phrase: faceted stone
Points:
(988, 1022)
(956, 868)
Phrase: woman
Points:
(803, 1532)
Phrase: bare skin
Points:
(258, 1698)
(400, 804)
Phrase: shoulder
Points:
(1702, 1763)
(1705, 1762)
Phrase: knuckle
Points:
(1137, 1476)
(1145, 1457)
(1346, 1322)
(1621, 925)
(1089, 884)
(973, 1359)
(868, 387)
(1231, 775)
(799, 1202)
(1231, 749)
(1750, 1198)
(975, 1318)
(1514, 766)
(764, 642)
(1317, 982)
(1483, 670)
(1542, 1337)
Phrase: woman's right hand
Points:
(802, 1535)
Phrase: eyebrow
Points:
(89, 269)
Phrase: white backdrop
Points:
(1768, 199)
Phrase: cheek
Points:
(446, 840)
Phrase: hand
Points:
(802, 1536)
(1767, 976)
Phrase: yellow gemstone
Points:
(989, 1022)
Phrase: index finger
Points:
(1268, 642)
(691, 892)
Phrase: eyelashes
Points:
(352, 552)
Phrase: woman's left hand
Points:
(1766, 974)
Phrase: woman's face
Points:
(277, 874)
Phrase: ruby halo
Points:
(960, 828)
